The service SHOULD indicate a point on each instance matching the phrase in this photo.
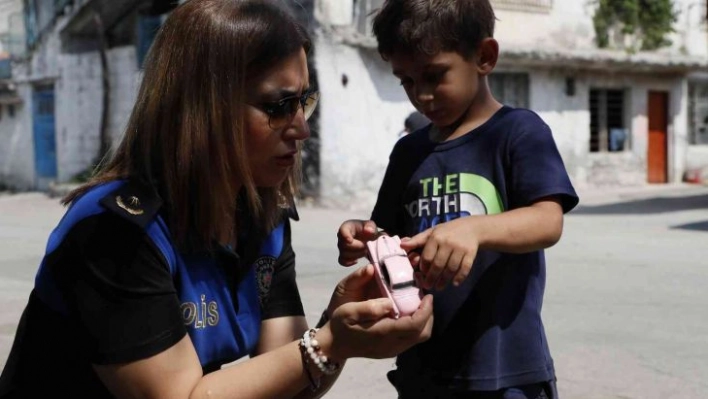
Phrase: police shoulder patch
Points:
(133, 202)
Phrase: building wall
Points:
(77, 80)
(125, 82)
(16, 147)
(360, 122)
(569, 118)
(691, 29)
(567, 25)
(8, 7)
(78, 113)
(80, 104)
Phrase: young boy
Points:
(481, 192)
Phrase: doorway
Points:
(45, 154)
(657, 157)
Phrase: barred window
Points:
(608, 131)
(524, 5)
(698, 113)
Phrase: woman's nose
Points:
(299, 129)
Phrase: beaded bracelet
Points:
(312, 349)
(314, 383)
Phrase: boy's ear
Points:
(487, 56)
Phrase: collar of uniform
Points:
(291, 212)
(134, 202)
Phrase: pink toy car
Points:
(394, 274)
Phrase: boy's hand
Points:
(352, 238)
(449, 250)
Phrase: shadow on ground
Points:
(647, 206)
(698, 226)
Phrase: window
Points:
(523, 5)
(608, 131)
(698, 113)
(510, 88)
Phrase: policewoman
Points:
(175, 260)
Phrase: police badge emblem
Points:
(265, 265)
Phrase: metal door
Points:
(45, 154)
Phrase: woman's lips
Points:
(286, 160)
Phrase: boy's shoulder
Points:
(511, 123)
(520, 117)
(415, 141)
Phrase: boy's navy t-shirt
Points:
(488, 332)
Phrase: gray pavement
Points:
(625, 305)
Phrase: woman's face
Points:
(271, 138)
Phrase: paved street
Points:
(625, 305)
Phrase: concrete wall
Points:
(8, 7)
(691, 35)
(125, 82)
(17, 151)
(359, 122)
(77, 80)
(78, 113)
(80, 104)
(569, 25)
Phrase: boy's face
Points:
(442, 86)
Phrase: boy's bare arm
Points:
(449, 249)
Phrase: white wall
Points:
(569, 118)
(567, 26)
(8, 7)
(78, 113)
(80, 104)
(691, 36)
(16, 146)
(359, 123)
(78, 86)
(125, 82)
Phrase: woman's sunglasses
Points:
(281, 112)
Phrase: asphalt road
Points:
(625, 305)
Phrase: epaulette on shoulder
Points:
(133, 202)
(291, 212)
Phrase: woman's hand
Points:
(357, 286)
(365, 329)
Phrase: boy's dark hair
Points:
(431, 26)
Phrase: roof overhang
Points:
(604, 60)
(591, 59)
